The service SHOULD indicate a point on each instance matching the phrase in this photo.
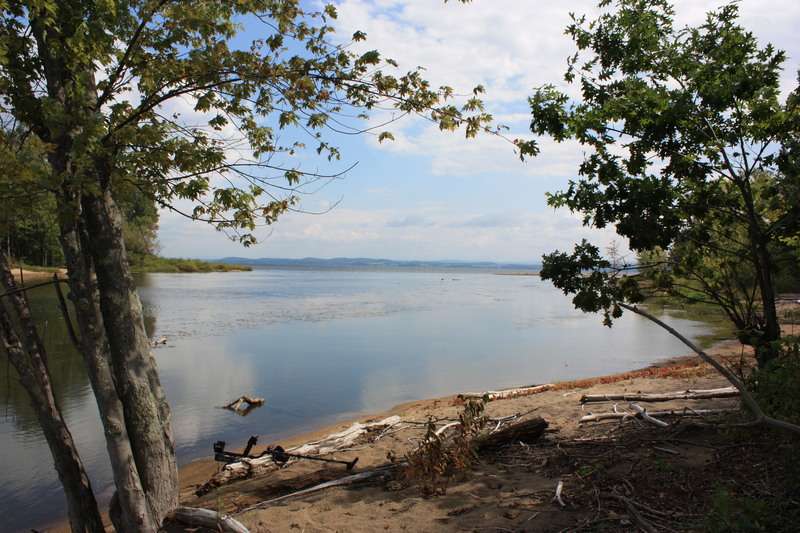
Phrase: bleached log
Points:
(337, 441)
(508, 393)
(621, 415)
(725, 392)
(210, 519)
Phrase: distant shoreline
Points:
(362, 262)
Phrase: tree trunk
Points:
(34, 376)
(147, 413)
(114, 345)
(132, 512)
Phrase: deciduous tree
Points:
(691, 152)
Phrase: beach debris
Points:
(246, 466)
(278, 454)
(557, 497)
(724, 392)
(526, 431)
(508, 393)
(643, 413)
(347, 480)
(215, 520)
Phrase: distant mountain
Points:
(379, 263)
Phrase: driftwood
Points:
(643, 413)
(237, 403)
(557, 497)
(508, 393)
(628, 414)
(527, 431)
(725, 392)
(210, 519)
(331, 443)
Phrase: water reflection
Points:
(319, 346)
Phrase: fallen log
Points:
(725, 392)
(621, 415)
(508, 393)
(527, 431)
(211, 519)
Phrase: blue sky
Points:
(435, 195)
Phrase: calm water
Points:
(321, 346)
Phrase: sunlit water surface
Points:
(320, 345)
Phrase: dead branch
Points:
(557, 497)
(725, 392)
(331, 443)
(361, 476)
(627, 414)
(643, 413)
(237, 403)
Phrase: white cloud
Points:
(447, 197)
(419, 232)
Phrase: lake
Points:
(320, 345)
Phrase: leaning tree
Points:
(200, 106)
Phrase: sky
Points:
(431, 195)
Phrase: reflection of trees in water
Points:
(67, 369)
(68, 373)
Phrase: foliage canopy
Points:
(692, 152)
(180, 105)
